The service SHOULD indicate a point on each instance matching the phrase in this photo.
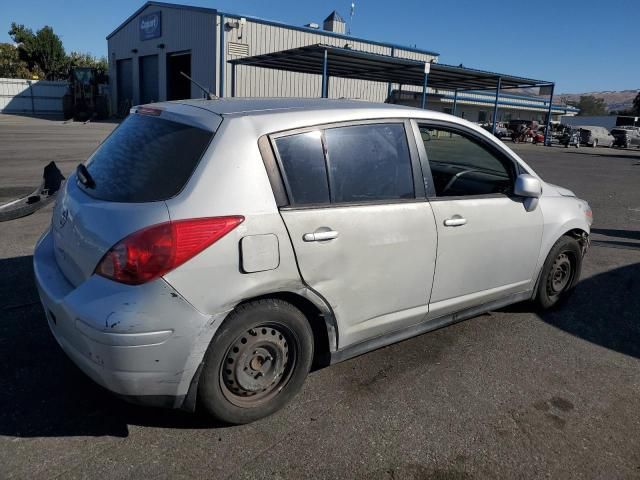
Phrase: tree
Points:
(11, 65)
(42, 50)
(590, 105)
(83, 59)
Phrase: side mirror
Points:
(530, 188)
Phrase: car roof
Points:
(268, 115)
(271, 115)
(266, 106)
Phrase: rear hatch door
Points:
(148, 159)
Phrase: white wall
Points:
(35, 97)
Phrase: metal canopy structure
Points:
(330, 61)
(347, 63)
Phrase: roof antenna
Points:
(353, 8)
(210, 95)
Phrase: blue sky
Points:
(582, 45)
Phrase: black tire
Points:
(256, 362)
(560, 273)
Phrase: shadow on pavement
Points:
(611, 233)
(604, 310)
(631, 234)
(632, 155)
(54, 117)
(43, 394)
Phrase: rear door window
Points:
(146, 159)
(351, 164)
(369, 163)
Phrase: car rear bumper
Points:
(142, 342)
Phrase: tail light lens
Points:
(154, 251)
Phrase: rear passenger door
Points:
(362, 230)
(488, 243)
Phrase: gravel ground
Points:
(510, 394)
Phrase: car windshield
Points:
(145, 159)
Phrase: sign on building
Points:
(150, 26)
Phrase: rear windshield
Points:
(146, 159)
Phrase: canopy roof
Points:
(348, 63)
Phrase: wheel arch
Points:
(577, 232)
(318, 314)
(581, 235)
(321, 320)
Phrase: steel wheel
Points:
(560, 275)
(258, 365)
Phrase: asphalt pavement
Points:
(509, 394)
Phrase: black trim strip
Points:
(424, 327)
(273, 171)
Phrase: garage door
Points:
(149, 79)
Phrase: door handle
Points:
(320, 236)
(455, 221)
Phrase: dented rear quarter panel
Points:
(232, 180)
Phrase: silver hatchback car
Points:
(210, 252)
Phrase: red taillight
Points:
(154, 251)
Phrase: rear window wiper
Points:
(85, 177)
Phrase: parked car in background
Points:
(210, 251)
(596, 136)
(501, 130)
(626, 137)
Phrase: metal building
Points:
(149, 49)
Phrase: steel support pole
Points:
(325, 77)
(423, 104)
(33, 104)
(455, 102)
(547, 137)
(389, 84)
(495, 106)
(233, 79)
(222, 59)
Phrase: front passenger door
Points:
(488, 243)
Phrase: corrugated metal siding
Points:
(31, 96)
(199, 31)
(413, 56)
(182, 29)
(260, 82)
